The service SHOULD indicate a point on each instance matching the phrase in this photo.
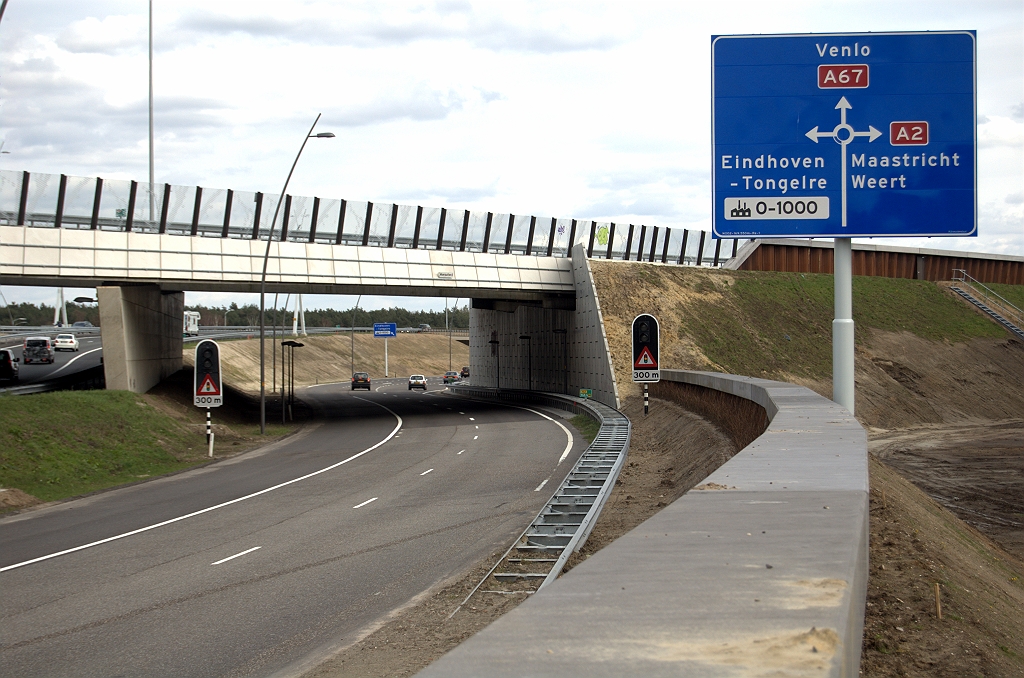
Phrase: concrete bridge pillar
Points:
(141, 331)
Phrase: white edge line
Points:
(68, 363)
(224, 560)
(542, 484)
(426, 472)
(365, 503)
(222, 505)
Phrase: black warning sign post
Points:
(646, 335)
(207, 389)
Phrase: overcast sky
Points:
(569, 109)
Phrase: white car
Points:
(65, 342)
(417, 381)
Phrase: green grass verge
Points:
(66, 443)
(774, 323)
(587, 427)
(1012, 293)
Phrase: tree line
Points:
(32, 315)
(328, 317)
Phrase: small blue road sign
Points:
(844, 135)
(385, 329)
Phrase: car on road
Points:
(417, 381)
(424, 327)
(451, 377)
(361, 380)
(65, 342)
(37, 350)
(82, 323)
(465, 372)
(8, 365)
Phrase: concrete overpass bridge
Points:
(142, 246)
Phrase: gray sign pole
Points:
(842, 326)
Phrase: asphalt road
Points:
(392, 492)
(65, 362)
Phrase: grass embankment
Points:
(68, 443)
(587, 427)
(61, 444)
(775, 325)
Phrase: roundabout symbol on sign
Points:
(843, 134)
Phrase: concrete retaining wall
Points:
(761, 570)
(543, 362)
(141, 331)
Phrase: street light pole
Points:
(263, 276)
(352, 335)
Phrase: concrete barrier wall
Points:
(548, 360)
(141, 331)
(760, 570)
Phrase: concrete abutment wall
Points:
(559, 362)
(141, 331)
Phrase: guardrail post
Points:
(366, 225)
(508, 238)
(167, 205)
(23, 203)
(487, 233)
(227, 213)
(313, 218)
(440, 228)
(394, 223)
(95, 222)
(416, 230)
(255, 217)
(130, 218)
(195, 210)
(284, 217)
(62, 190)
(465, 232)
(341, 222)
(682, 248)
(529, 238)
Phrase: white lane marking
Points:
(461, 451)
(391, 435)
(426, 472)
(365, 503)
(475, 437)
(471, 418)
(478, 427)
(543, 484)
(68, 363)
(568, 434)
(224, 560)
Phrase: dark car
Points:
(465, 372)
(361, 380)
(82, 323)
(8, 366)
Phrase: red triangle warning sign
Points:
(645, 361)
(208, 387)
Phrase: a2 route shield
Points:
(646, 335)
(207, 390)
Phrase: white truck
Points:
(190, 325)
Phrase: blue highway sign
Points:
(844, 135)
(385, 329)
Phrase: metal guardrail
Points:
(990, 298)
(567, 519)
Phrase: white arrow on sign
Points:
(843, 134)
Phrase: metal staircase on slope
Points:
(1001, 310)
(540, 554)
